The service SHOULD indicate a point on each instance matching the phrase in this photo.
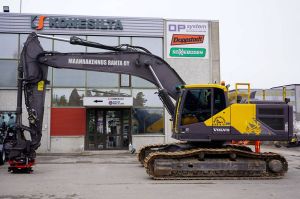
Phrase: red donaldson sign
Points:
(183, 39)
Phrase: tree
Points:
(139, 100)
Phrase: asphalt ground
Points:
(118, 174)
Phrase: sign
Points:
(108, 101)
(187, 39)
(38, 23)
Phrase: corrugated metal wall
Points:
(21, 23)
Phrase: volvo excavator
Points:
(203, 120)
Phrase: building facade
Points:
(71, 123)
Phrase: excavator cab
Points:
(200, 104)
(197, 104)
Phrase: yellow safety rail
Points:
(236, 90)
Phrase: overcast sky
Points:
(259, 39)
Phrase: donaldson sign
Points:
(38, 23)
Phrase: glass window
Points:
(68, 96)
(147, 120)
(7, 124)
(62, 46)
(125, 40)
(9, 46)
(7, 119)
(197, 106)
(219, 100)
(93, 92)
(110, 41)
(8, 75)
(138, 82)
(125, 92)
(49, 77)
(146, 98)
(68, 77)
(102, 79)
(125, 80)
(45, 43)
(154, 45)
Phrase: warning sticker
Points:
(41, 85)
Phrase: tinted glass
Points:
(110, 41)
(125, 40)
(154, 45)
(125, 92)
(125, 80)
(61, 46)
(93, 92)
(146, 98)
(138, 82)
(68, 77)
(7, 120)
(197, 106)
(68, 97)
(219, 100)
(100, 79)
(9, 45)
(147, 120)
(8, 74)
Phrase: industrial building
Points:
(130, 110)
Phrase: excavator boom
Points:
(124, 59)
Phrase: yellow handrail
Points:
(236, 90)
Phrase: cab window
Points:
(197, 106)
(219, 102)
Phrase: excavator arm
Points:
(33, 68)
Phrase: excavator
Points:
(203, 120)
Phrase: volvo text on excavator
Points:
(203, 120)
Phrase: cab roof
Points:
(193, 86)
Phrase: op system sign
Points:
(187, 39)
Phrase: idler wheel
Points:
(275, 166)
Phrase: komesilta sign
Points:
(38, 23)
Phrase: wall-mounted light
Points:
(5, 8)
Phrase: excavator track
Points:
(146, 150)
(229, 162)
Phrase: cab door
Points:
(221, 114)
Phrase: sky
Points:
(259, 39)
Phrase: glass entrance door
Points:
(108, 129)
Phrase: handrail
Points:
(236, 90)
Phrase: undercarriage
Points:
(163, 162)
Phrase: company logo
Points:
(187, 52)
(38, 23)
(188, 27)
(221, 130)
(182, 39)
(219, 121)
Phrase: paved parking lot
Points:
(115, 174)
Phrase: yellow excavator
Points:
(203, 120)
